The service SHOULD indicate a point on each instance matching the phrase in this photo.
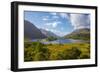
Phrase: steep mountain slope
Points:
(83, 34)
(31, 31)
(48, 33)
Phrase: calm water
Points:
(62, 41)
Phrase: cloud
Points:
(53, 24)
(47, 29)
(46, 18)
(48, 24)
(53, 17)
(53, 13)
(63, 15)
(80, 20)
(57, 32)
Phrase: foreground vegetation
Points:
(36, 51)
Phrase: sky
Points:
(59, 23)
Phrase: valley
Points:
(43, 45)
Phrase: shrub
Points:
(66, 54)
(36, 52)
(41, 54)
(55, 56)
(72, 53)
(27, 44)
(84, 56)
(28, 54)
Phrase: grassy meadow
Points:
(36, 51)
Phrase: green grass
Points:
(36, 51)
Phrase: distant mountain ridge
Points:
(48, 33)
(31, 31)
(83, 34)
(82, 30)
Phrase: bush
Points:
(84, 56)
(27, 44)
(55, 56)
(36, 52)
(28, 54)
(41, 54)
(72, 53)
(66, 54)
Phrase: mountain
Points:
(31, 31)
(48, 33)
(82, 34)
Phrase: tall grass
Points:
(36, 51)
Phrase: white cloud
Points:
(63, 15)
(80, 21)
(46, 18)
(48, 24)
(53, 24)
(53, 13)
(56, 23)
(60, 15)
(47, 29)
(57, 32)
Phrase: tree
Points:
(73, 53)
(51, 38)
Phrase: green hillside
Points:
(82, 34)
